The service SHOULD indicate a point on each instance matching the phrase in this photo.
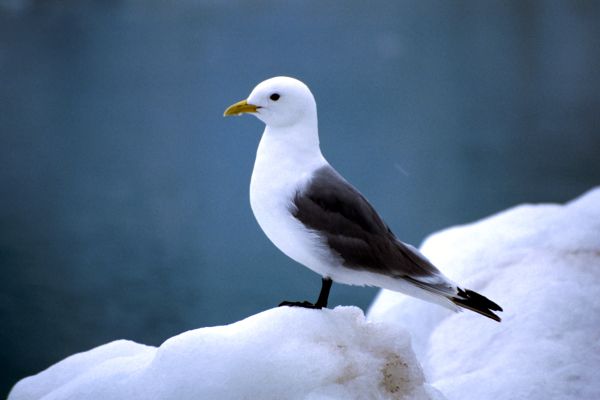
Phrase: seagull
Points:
(315, 217)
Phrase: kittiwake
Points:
(314, 216)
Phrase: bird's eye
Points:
(275, 96)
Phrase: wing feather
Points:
(340, 214)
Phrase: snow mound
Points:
(542, 265)
(282, 353)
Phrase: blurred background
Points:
(124, 209)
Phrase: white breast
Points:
(280, 170)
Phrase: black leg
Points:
(324, 295)
(321, 302)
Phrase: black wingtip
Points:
(475, 302)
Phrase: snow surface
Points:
(282, 353)
(542, 265)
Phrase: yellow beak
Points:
(239, 108)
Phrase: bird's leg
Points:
(324, 294)
(321, 301)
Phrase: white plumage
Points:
(318, 219)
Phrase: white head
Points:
(279, 102)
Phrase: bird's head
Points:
(278, 102)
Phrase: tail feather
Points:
(475, 302)
(464, 298)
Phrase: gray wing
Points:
(351, 227)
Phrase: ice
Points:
(541, 263)
(282, 353)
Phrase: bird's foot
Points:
(303, 304)
(321, 301)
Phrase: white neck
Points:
(285, 161)
(295, 146)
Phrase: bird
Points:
(320, 220)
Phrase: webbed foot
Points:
(321, 302)
(303, 304)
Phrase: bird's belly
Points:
(272, 209)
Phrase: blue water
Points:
(124, 210)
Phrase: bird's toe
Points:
(303, 304)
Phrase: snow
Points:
(282, 353)
(541, 263)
